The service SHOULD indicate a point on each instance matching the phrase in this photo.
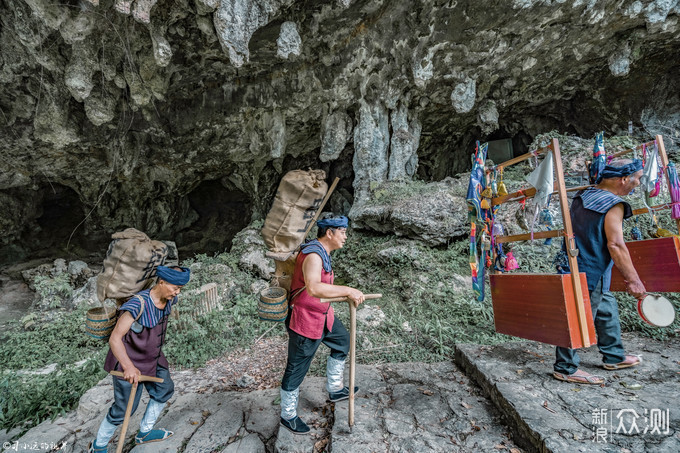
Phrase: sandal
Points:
(155, 435)
(579, 377)
(631, 360)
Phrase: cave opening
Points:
(222, 212)
(57, 225)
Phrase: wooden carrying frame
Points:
(550, 308)
(657, 261)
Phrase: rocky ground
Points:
(491, 398)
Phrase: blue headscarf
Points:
(333, 222)
(174, 276)
(620, 172)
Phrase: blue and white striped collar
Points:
(599, 200)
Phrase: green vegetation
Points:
(427, 300)
(51, 291)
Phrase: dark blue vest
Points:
(587, 217)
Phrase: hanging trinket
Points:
(635, 232)
(502, 190)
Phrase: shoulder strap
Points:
(141, 309)
(294, 295)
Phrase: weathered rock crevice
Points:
(133, 104)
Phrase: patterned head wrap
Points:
(333, 222)
(620, 172)
(174, 276)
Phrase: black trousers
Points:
(301, 351)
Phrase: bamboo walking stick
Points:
(131, 400)
(352, 347)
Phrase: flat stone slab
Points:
(416, 407)
(405, 407)
(548, 415)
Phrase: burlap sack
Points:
(299, 195)
(130, 264)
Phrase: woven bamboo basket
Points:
(273, 304)
(100, 322)
(208, 300)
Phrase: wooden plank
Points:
(572, 251)
(530, 192)
(545, 312)
(657, 262)
(628, 151)
(527, 236)
(654, 208)
(522, 158)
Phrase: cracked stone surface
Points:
(555, 416)
(404, 407)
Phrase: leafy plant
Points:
(60, 339)
(53, 291)
(27, 400)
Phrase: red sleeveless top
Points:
(309, 316)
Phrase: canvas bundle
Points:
(299, 195)
(130, 264)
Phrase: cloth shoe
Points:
(341, 395)
(155, 435)
(93, 448)
(295, 425)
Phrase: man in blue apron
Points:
(597, 215)
(135, 349)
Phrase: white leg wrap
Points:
(105, 433)
(335, 370)
(289, 402)
(153, 411)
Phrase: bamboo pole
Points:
(572, 251)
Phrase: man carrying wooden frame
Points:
(597, 215)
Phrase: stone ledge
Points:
(547, 415)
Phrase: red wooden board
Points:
(657, 262)
(540, 307)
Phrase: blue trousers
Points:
(608, 330)
(301, 351)
(160, 392)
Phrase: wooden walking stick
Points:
(352, 347)
(352, 355)
(131, 400)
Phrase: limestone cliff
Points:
(178, 117)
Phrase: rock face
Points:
(179, 118)
(434, 213)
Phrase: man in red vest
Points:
(311, 323)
